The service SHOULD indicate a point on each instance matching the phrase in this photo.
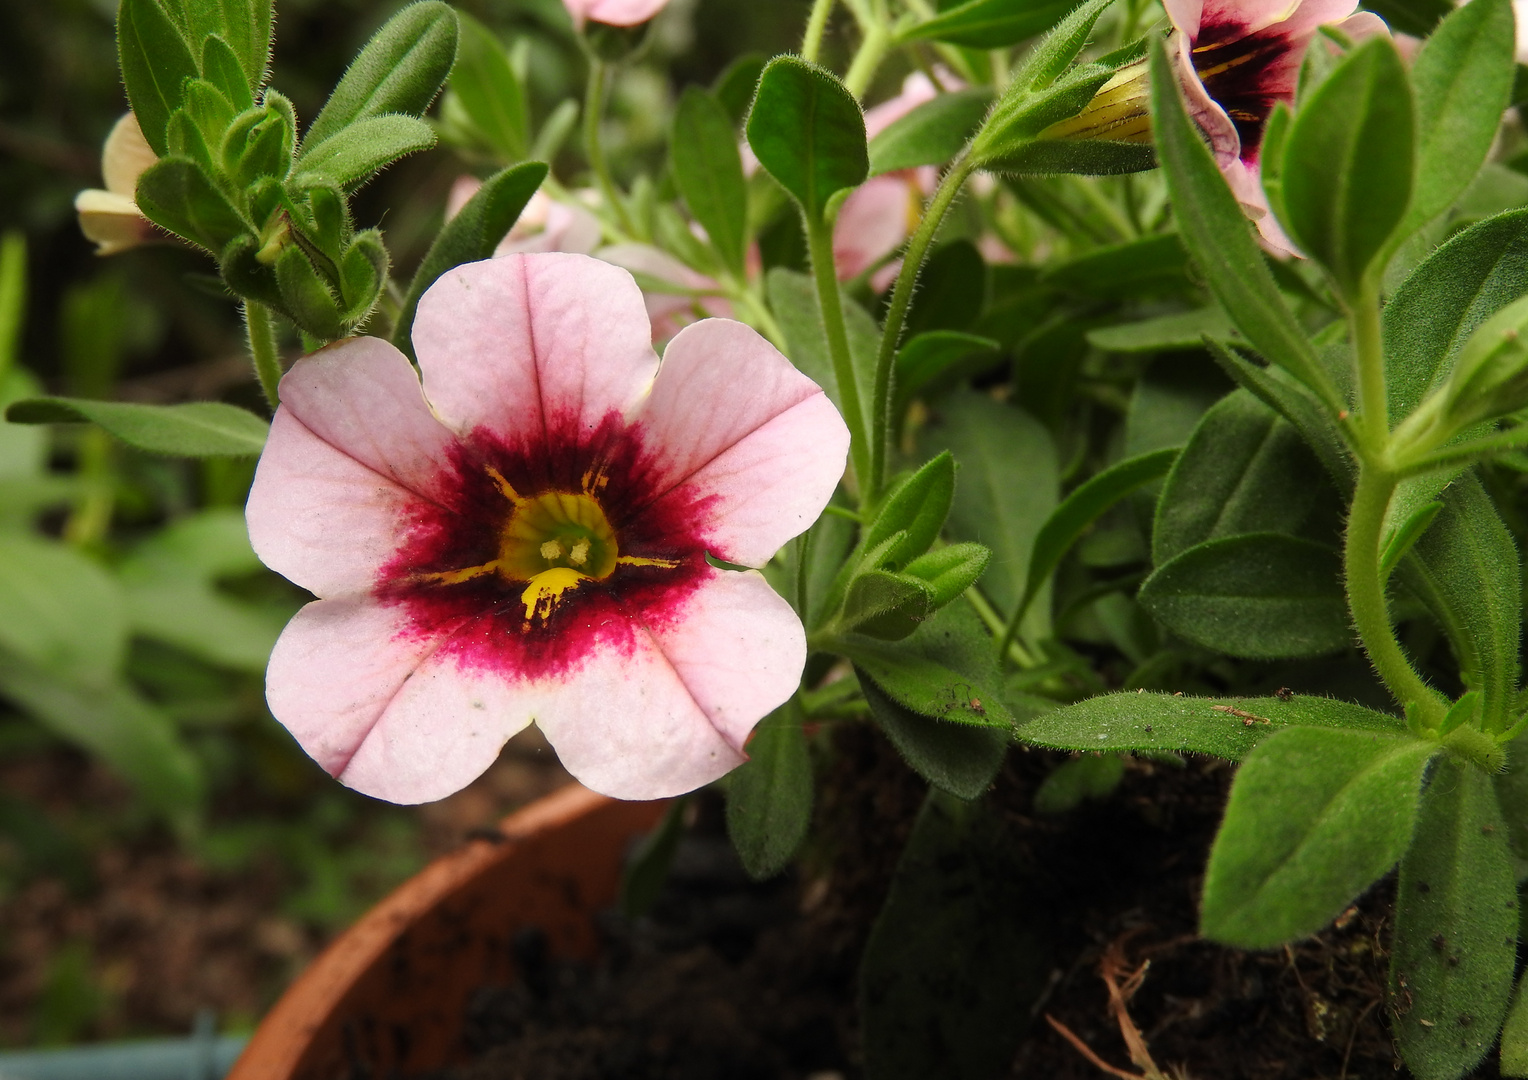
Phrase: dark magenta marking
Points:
(485, 617)
(1260, 70)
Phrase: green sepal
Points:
(246, 275)
(1314, 817)
(887, 605)
(259, 142)
(1081, 157)
(399, 71)
(211, 110)
(185, 140)
(363, 273)
(1464, 711)
(175, 194)
(305, 298)
(951, 570)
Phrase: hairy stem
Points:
(816, 23)
(1369, 358)
(262, 350)
(819, 236)
(1366, 600)
(867, 59)
(896, 315)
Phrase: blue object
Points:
(202, 1056)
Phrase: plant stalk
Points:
(263, 351)
(819, 235)
(1425, 707)
(896, 315)
(867, 58)
(594, 112)
(816, 24)
(1369, 356)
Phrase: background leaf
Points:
(489, 90)
(769, 797)
(1262, 596)
(156, 61)
(708, 171)
(193, 429)
(989, 24)
(1314, 817)
(60, 611)
(932, 133)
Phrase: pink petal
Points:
(872, 223)
(386, 711)
(614, 12)
(1363, 25)
(331, 499)
(524, 344)
(1185, 15)
(733, 423)
(1310, 14)
(1203, 109)
(672, 714)
(916, 89)
(548, 225)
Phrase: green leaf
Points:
(1463, 81)
(647, 870)
(990, 24)
(931, 134)
(156, 61)
(917, 507)
(793, 299)
(1314, 817)
(1164, 333)
(769, 797)
(1465, 568)
(887, 605)
(1049, 57)
(991, 440)
(1244, 470)
(352, 156)
(1260, 596)
(1123, 270)
(60, 611)
(939, 358)
(489, 90)
(1445, 300)
(1076, 781)
(1415, 17)
(1215, 231)
(225, 70)
(807, 131)
(1172, 723)
(1296, 403)
(1514, 1036)
(177, 195)
(1348, 163)
(957, 758)
(708, 170)
(1047, 156)
(947, 669)
(114, 722)
(1083, 507)
(400, 70)
(195, 429)
(1455, 941)
(471, 235)
(170, 585)
(958, 951)
(735, 86)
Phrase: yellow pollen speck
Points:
(553, 550)
(546, 589)
(579, 555)
(637, 560)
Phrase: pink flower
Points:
(544, 225)
(110, 218)
(668, 311)
(1237, 59)
(613, 12)
(525, 538)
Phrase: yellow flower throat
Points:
(554, 542)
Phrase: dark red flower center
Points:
(1245, 74)
(538, 552)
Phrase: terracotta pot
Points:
(388, 997)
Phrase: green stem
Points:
(867, 59)
(1366, 600)
(896, 315)
(594, 111)
(819, 235)
(262, 349)
(994, 621)
(816, 23)
(1369, 358)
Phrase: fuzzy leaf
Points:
(1314, 817)
(807, 131)
(176, 194)
(931, 134)
(1193, 725)
(917, 507)
(956, 758)
(708, 170)
(769, 797)
(1455, 940)
(156, 62)
(352, 156)
(1164, 333)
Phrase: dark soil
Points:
(727, 979)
